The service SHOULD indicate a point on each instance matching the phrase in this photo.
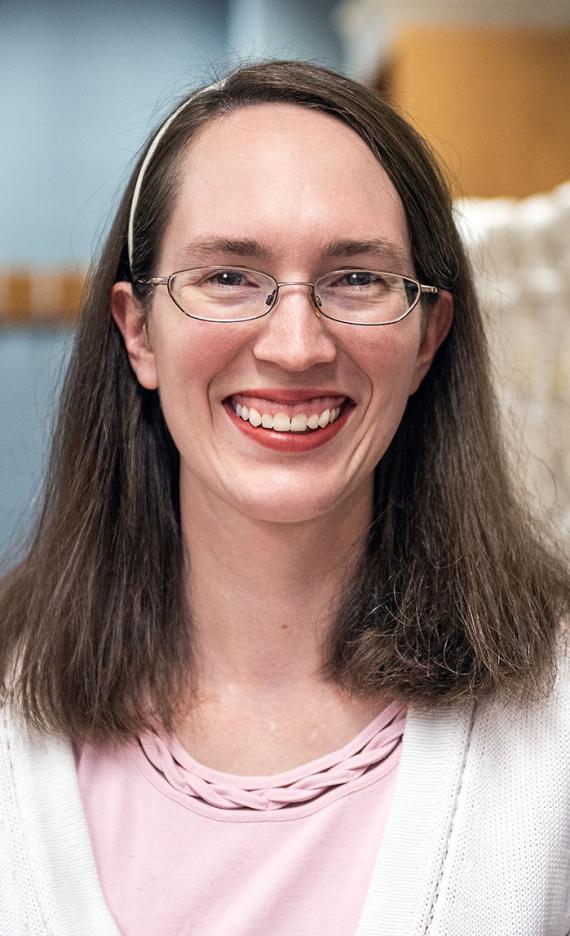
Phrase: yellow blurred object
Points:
(37, 296)
(492, 100)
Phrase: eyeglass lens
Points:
(234, 294)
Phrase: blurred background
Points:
(486, 81)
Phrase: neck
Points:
(263, 595)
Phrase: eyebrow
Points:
(247, 247)
(244, 247)
(394, 253)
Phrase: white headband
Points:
(149, 154)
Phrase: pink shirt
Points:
(183, 850)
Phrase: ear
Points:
(439, 320)
(132, 323)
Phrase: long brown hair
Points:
(458, 593)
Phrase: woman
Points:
(286, 653)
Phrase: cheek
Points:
(189, 361)
(389, 359)
(390, 367)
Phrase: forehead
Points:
(285, 176)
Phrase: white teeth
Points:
(299, 423)
(254, 417)
(281, 422)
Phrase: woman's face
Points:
(273, 187)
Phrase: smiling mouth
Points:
(302, 418)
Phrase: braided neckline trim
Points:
(298, 786)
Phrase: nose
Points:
(294, 336)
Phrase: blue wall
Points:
(31, 368)
(84, 81)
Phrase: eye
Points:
(359, 278)
(227, 284)
(227, 278)
(349, 280)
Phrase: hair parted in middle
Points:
(457, 594)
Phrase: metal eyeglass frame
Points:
(273, 297)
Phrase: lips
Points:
(289, 420)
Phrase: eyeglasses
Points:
(236, 294)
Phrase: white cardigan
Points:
(477, 841)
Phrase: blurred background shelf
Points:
(43, 297)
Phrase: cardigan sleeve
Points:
(507, 867)
(48, 880)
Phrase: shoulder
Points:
(48, 879)
(505, 832)
(31, 768)
(23, 750)
(37, 778)
(498, 727)
(528, 735)
(551, 708)
(31, 764)
(512, 819)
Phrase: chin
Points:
(277, 507)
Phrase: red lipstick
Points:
(293, 442)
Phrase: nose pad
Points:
(317, 304)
